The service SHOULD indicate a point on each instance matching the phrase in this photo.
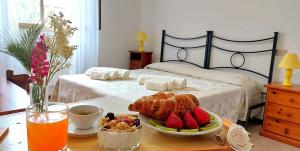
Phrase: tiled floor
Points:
(265, 144)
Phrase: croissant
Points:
(159, 106)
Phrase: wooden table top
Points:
(151, 139)
(278, 85)
(13, 98)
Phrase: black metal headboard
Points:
(180, 48)
(208, 49)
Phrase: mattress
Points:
(223, 98)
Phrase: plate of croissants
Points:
(176, 114)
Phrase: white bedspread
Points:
(226, 100)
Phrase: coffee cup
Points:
(84, 116)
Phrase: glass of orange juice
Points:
(47, 126)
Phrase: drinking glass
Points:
(47, 126)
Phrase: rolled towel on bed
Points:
(179, 83)
(90, 70)
(159, 84)
(113, 73)
(142, 79)
(102, 74)
(99, 75)
(123, 74)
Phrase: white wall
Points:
(242, 19)
(120, 23)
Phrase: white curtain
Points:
(9, 19)
(83, 14)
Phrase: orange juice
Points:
(47, 131)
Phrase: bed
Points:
(225, 93)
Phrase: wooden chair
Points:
(21, 80)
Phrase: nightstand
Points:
(282, 114)
(139, 60)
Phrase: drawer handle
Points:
(292, 100)
(273, 92)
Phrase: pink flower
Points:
(39, 63)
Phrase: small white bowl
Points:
(124, 140)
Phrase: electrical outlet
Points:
(281, 52)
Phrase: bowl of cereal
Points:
(119, 132)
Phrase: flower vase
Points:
(46, 120)
(38, 94)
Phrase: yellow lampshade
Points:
(290, 61)
(141, 36)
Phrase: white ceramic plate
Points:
(145, 120)
(73, 132)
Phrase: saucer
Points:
(73, 132)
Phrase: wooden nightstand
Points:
(282, 114)
(139, 60)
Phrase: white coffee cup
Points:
(84, 116)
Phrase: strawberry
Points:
(174, 121)
(189, 121)
(201, 116)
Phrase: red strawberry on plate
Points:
(201, 116)
(174, 121)
(189, 121)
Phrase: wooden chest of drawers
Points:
(282, 114)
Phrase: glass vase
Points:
(47, 126)
(38, 94)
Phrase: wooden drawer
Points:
(135, 64)
(283, 128)
(283, 112)
(284, 98)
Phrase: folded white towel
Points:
(90, 70)
(99, 75)
(179, 83)
(159, 84)
(142, 79)
(112, 73)
(123, 74)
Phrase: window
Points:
(56, 6)
(83, 14)
(31, 11)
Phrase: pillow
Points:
(194, 71)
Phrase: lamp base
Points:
(141, 48)
(287, 84)
(287, 81)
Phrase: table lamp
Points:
(141, 37)
(289, 62)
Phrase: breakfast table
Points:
(16, 138)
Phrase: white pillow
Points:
(197, 72)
